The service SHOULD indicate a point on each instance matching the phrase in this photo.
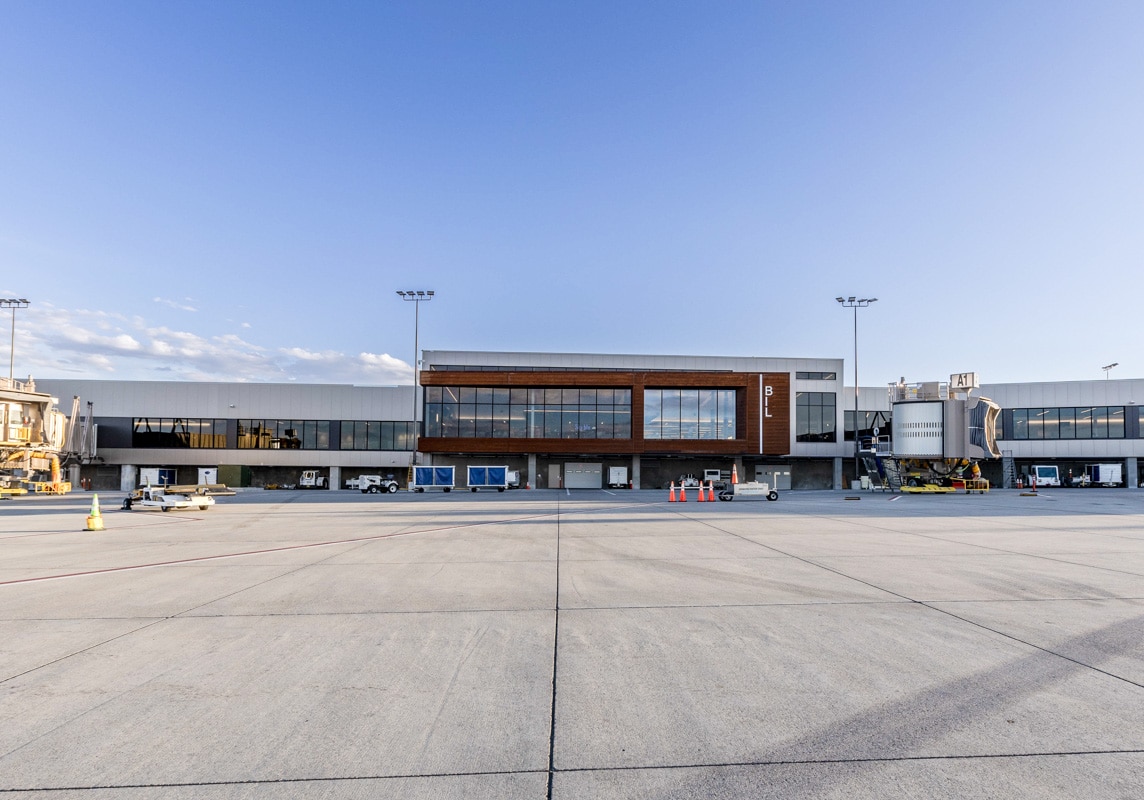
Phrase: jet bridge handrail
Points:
(929, 390)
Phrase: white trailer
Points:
(442, 478)
(617, 477)
(488, 478)
(1104, 474)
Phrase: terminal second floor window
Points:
(283, 434)
(689, 414)
(376, 435)
(527, 413)
(868, 421)
(1088, 422)
(815, 417)
(178, 433)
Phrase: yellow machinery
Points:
(34, 435)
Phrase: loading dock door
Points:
(583, 476)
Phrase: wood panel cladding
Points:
(768, 407)
(761, 400)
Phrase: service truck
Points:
(488, 478)
(442, 478)
(1104, 474)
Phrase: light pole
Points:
(855, 303)
(1108, 368)
(417, 298)
(13, 304)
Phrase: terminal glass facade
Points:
(867, 422)
(178, 433)
(1082, 422)
(689, 414)
(815, 417)
(527, 413)
(376, 435)
(283, 434)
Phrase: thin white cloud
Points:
(181, 306)
(97, 344)
(307, 355)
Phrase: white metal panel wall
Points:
(238, 400)
(630, 362)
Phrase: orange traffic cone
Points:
(734, 473)
(671, 496)
(94, 519)
(711, 491)
(682, 493)
(702, 497)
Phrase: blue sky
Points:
(234, 191)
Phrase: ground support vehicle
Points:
(688, 481)
(749, 489)
(375, 484)
(214, 489)
(971, 485)
(1044, 475)
(617, 477)
(487, 478)
(312, 479)
(1104, 474)
(718, 478)
(442, 478)
(150, 498)
(9, 488)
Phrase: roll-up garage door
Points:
(583, 476)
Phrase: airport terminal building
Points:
(565, 420)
